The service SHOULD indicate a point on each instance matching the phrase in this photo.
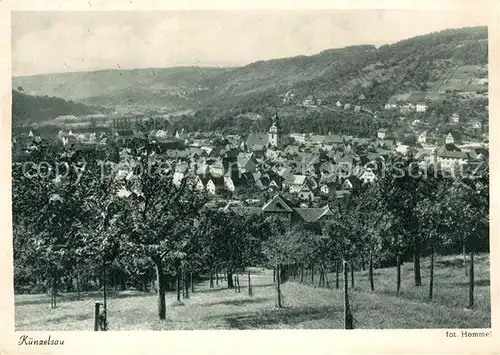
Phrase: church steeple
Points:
(275, 132)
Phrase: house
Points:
(391, 104)
(309, 101)
(368, 176)
(298, 137)
(455, 118)
(449, 139)
(357, 108)
(312, 215)
(246, 163)
(228, 183)
(422, 137)
(338, 104)
(402, 149)
(292, 150)
(416, 123)
(347, 106)
(381, 133)
(448, 158)
(305, 193)
(256, 141)
(317, 139)
(421, 107)
(295, 183)
(210, 187)
(476, 124)
(361, 97)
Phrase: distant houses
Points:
(449, 139)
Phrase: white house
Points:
(422, 138)
(449, 159)
(357, 108)
(325, 189)
(476, 125)
(368, 176)
(177, 178)
(381, 133)
(449, 139)
(421, 107)
(228, 183)
(338, 104)
(199, 184)
(455, 118)
(210, 187)
(295, 183)
(390, 106)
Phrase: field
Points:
(305, 306)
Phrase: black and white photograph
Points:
(250, 170)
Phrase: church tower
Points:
(275, 133)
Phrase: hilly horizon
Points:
(429, 63)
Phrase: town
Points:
(245, 172)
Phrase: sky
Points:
(51, 42)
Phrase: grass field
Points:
(305, 306)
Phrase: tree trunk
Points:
(230, 281)
(104, 286)
(123, 282)
(398, 281)
(352, 275)
(301, 272)
(53, 293)
(250, 291)
(312, 274)
(183, 285)
(471, 279)
(370, 272)
(77, 284)
(278, 286)
(363, 267)
(211, 280)
(186, 286)
(431, 279)
(178, 282)
(416, 265)
(216, 277)
(274, 276)
(337, 272)
(348, 321)
(464, 258)
(160, 287)
(191, 282)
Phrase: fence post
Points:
(96, 316)
(398, 280)
(347, 312)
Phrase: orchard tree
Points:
(160, 214)
(399, 197)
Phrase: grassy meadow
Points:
(305, 305)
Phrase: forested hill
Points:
(31, 109)
(423, 63)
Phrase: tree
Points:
(398, 190)
(47, 211)
(160, 214)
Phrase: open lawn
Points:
(305, 306)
